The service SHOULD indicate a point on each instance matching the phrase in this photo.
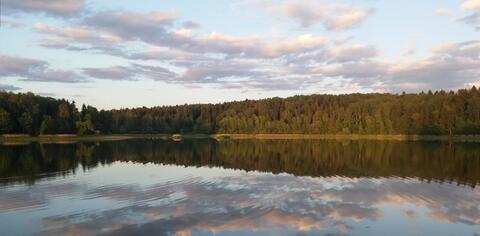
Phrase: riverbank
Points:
(177, 137)
(60, 138)
(454, 138)
(70, 138)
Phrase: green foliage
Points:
(26, 123)
(31, 114)
(431, 129)
(433, 113)
(48, 125)
(86, 126)
(5, 121)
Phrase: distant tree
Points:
(6, 124)
(65, 120)
(48, 125)
(86, 126)
(26, 123)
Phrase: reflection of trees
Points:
(428, 161)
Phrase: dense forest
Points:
(433, 113)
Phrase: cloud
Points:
(409, 52)
(156, 29)
(213, 72)
(333, 17)
(347, 19)
(35, 70)
(471, 5)
(254, 46)
(131, 73)
(366, 73)
(468, 49)
(474, 18)
(7, 87)
(59, 8)
(156, 73)
(18, 66)
(112, 73)
(107, 28)
(342, 39)
(356, 52)
(128, 25)
(442, 12)
(59, 76)
(9, 22)
(256, 62)
(77, 34)
(433, 74)
(164, 54)
(451, 66)
(189, 24)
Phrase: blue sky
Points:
(131, 53)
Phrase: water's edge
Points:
(19, 139)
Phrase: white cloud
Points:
(474, 18)
(18, 66)
(347, 19)
(112, 73)
(343, 39)
(189, 24)
(333, 16)
(118, 27)
(49, 75)
(442, 12)
(149, 27)
(471, 5)
(78, 34)
(356, 52)
(251, 62)
(469, 49)
(13, 23)
(62, 8)
(132, 72)
(409, 52)
(35, 70)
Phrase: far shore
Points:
(399, 137)
(69, 138)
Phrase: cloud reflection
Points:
(248, 203)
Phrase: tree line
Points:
(429, 113)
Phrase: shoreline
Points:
(393, 137)
(13, 139)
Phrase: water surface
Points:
(245, 187)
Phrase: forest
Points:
(425, 113)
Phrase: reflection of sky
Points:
(127, 198)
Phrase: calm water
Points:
(205, 187)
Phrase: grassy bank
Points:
(61, 138)
(454, 138)
(68, 138)
(97, 138)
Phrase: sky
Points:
(133, 53)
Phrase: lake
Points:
(240, 187)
